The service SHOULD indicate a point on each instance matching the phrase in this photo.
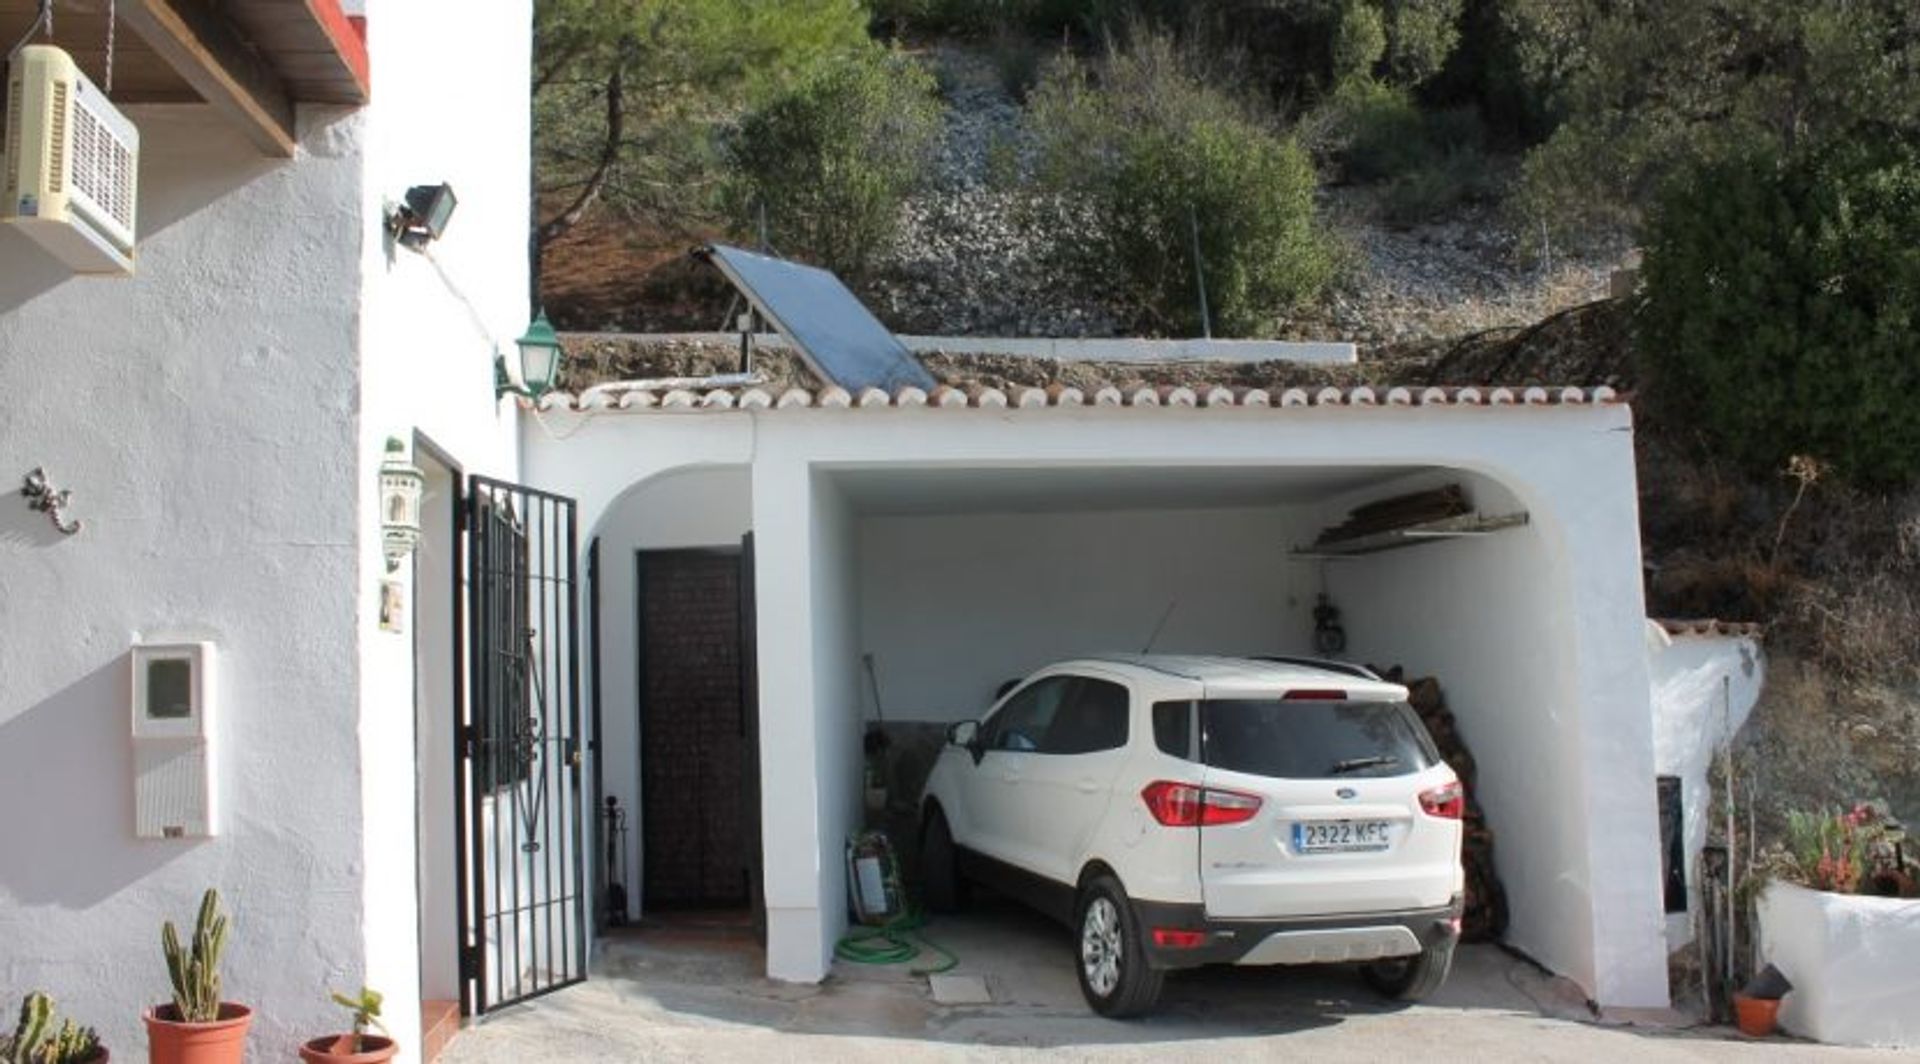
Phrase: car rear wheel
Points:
(940, 866)
(1412, 978)
(1112, 958)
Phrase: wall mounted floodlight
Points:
(423, 216)
(541, 357)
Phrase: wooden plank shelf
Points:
(1463, 526)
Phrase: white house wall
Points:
(449, 105)
(951, 606)
(1572, 467)
(204, 415)
(220, 419)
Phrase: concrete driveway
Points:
(692, 994)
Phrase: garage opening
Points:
(959, 580)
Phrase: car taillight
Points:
(1448, 802)
(1178, 938)
(1185, 805)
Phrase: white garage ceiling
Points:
(1027, 489)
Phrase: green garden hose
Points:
(895, 942)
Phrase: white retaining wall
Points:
(1851, 962)
(1704, 686)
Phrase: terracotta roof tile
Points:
(1060, 396)
(1711, 626)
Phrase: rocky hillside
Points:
(968, 260)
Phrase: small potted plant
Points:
(197, 1027)
(358, 1047)
(35, 1039)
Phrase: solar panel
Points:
(837, 336)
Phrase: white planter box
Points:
(1854, 963)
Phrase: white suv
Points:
(1179, 811)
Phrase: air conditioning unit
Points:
(71, 164)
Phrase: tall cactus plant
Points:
(35, 1040)
(30, 1033)
(195, 971)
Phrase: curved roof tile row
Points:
(1059, 396)
(1711, 626)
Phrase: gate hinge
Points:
(469, 962)
(468, 736)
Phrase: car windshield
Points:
(1313, 740)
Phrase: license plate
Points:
(1340, 836)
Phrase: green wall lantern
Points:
(541, 357)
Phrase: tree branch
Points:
(556, 227)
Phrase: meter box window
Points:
(173, 739)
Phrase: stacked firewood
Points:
(1485, 918)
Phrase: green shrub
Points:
(1421, 35)
(1458, 176)
(975, 18)
(1017, 61)
(1154, 152)
(1376, 132)
(831, 160)
(1359, 40)
(1783, 308)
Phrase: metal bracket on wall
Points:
(42, 496)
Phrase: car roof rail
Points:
(1347, 668)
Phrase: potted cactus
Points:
(35, 1039)
(358, 1047)
(197, 1027)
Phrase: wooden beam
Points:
(210, 55)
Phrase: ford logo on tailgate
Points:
(1347, 793)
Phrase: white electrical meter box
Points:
(173, 740)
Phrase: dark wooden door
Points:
(695, 739)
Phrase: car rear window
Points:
(1313, 740)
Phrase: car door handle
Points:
(1087, 786)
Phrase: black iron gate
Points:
(523, 902)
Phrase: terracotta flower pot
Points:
(338, 1049)
(224, 1041)
(1755, 1017)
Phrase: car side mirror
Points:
(966, 735)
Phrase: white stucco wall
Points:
(1481, 615)
(1851, 962)
(1100, 349)
(430, 328)
(220, 418)
(951, 606)
(1572, 467)
(837, 756)
(1704, 686)
(690, 508)
(204, 415)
